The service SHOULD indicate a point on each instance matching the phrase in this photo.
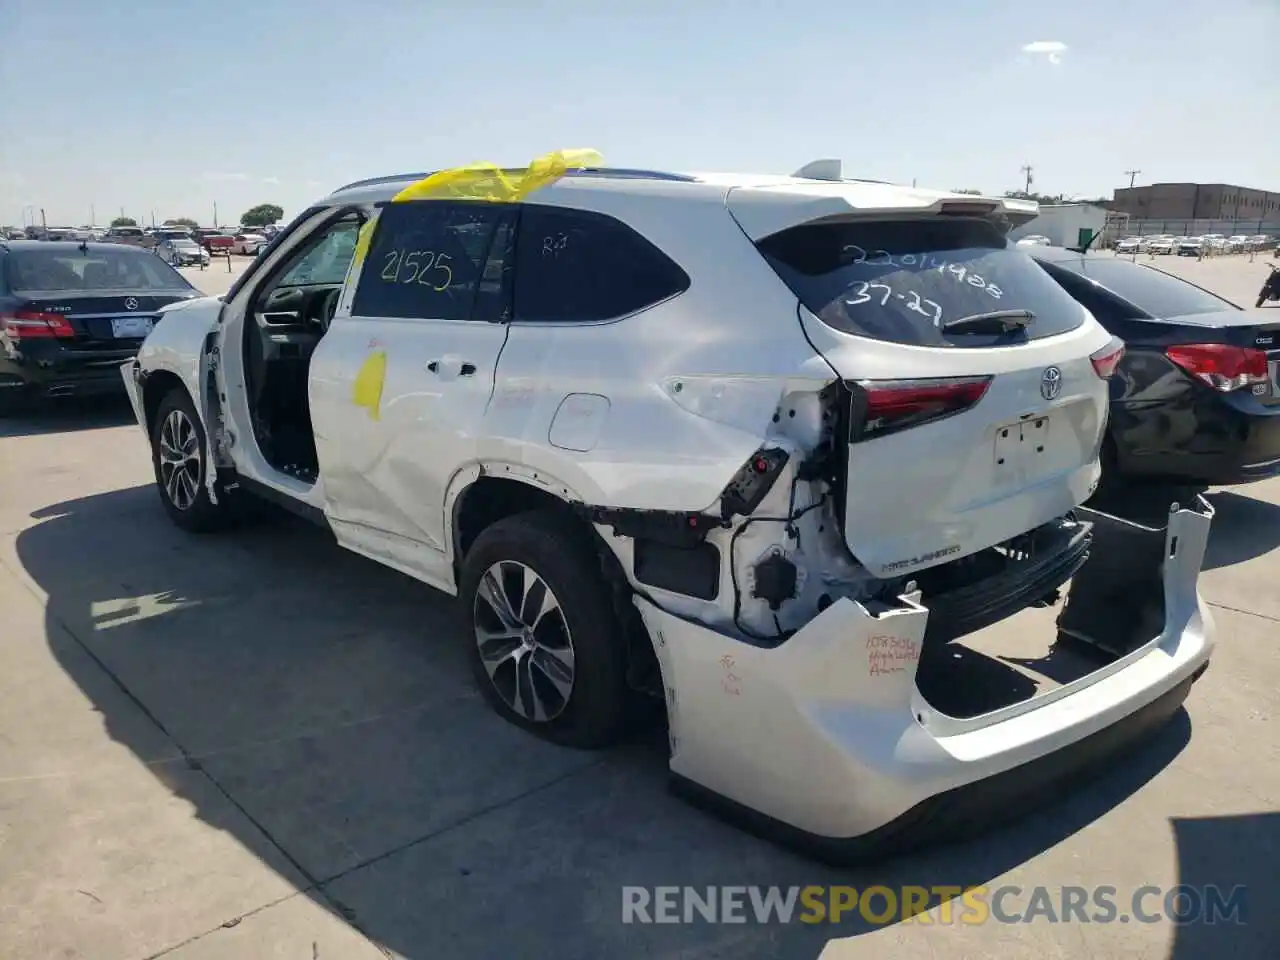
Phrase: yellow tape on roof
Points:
(487, 181)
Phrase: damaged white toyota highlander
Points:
(773, 450)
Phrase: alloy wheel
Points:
(179, 459)
(524, 641)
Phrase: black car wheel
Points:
(546, 647)
(178, 454)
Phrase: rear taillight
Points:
(1108, 358)
(1221, 366)
(887, 406)
(33, 324)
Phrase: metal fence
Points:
(1198, 228)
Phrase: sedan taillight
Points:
(34, 324)
(1220, 365)
(887, 406)
(1108, 358)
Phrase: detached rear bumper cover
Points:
(131, 374)
(826, 740)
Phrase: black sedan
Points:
(1196, 398)
(71, 313)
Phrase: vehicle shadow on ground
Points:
(1243, 528)
(1229, 866)
(68, 415)
(329, 704)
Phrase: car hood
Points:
(194, 302)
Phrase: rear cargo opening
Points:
(1113, 605)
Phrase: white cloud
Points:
(216, 175)
(271, 181)
(1051, 50)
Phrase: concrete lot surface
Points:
(256, 745)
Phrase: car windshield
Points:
(1153, 291)
(328, 261)
(69, 270)
(901, 281)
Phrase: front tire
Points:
(546, 648)
(179, 458)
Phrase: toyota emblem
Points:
(131, 303)
(1051, 383)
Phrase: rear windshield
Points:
(902, 280)
(69, 270)
(1152, 291)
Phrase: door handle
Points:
(467, 370)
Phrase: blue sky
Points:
(174, 105)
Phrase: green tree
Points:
(124, 222)
(185, 221)
(968, 190)
(1037, 197)
(262, 215)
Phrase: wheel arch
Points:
(155, 387)
(484, 493)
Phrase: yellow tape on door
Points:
(367, 391)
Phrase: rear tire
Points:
(546, 648)
(179, 458)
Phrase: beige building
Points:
(1197, 201)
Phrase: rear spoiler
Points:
(765, 210)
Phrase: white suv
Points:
(733, 440)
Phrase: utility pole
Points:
(44, 224)
(93, 216)
(1026, 169)
(215, 213)
(1132, 175)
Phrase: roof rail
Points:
(628, 173)
(620, 173)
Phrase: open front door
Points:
(401, 382)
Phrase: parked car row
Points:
(1194, 246)
(173, 241)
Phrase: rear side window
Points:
(427, 260)
(901, 281)
(72, 270)
(1152, 291)
(1104, 306)
(573, 266)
